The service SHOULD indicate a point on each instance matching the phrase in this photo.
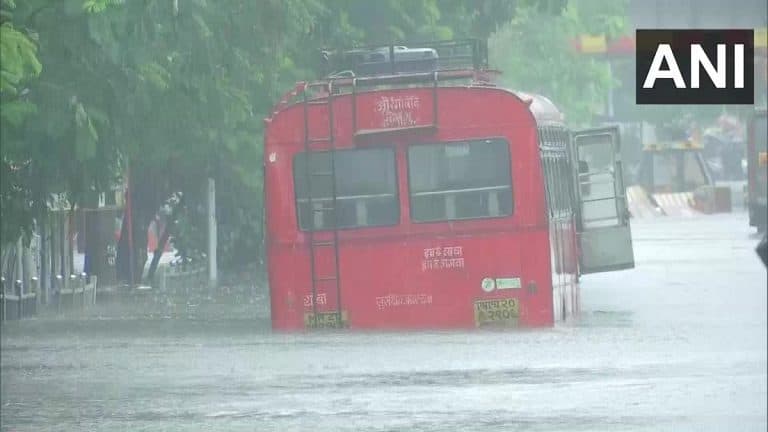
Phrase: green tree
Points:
(534, 52)
(172, 92)
(19, 65)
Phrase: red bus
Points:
(757, 170)
(435, 199)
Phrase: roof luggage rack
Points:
(346, 70)
(405, 59)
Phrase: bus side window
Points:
(548, 184)
(563, 181)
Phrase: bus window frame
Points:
(391, 147)
(618, 196)
(450, 142)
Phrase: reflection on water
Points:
(671, 345)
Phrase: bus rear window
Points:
(366, 188)
(460, 180)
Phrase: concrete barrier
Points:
(704, 200)
(712, 199)
(676, 203)
(76, 292)
(640, 204)
(16, 303)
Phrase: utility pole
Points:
(610, 92)
(129, 216)
(212, 270)
(42, 296)
(19, 274)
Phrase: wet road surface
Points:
(679, 343)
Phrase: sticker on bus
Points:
(325, 320)
(498, 312)
(508, 283)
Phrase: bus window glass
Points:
(462, 180)
(366, 188)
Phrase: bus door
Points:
(602, 216)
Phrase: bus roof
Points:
(395, 67)
(544, 110)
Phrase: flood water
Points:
(679, 343)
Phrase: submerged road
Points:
(677, 344)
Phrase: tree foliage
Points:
(19, 66)
(534, 50)
(169, 92)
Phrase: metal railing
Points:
(377, 60)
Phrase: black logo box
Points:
(664, 90)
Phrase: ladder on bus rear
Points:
(325, 143)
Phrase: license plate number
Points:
(496, 312)
(325, 320)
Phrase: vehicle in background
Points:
(762, 249)
(668, 167)
(674, 177)
(430, 198)
(724, 149)
(757, 170)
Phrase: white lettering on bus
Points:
(321, 299)
(438, 258)
(394, 300)
(398, 111)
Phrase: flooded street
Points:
(678, 343)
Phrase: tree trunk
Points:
(63, 245)
(71, 246)
(43, 221)
(158, 252)
(122, 263)
(140, 222)
(44, 277)
(145, 199)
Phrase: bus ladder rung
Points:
(325, 278)
(324, 243)
(323, 209)
(320, 140)
(318, 102)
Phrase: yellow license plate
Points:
(325, 320)
(497, 312)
